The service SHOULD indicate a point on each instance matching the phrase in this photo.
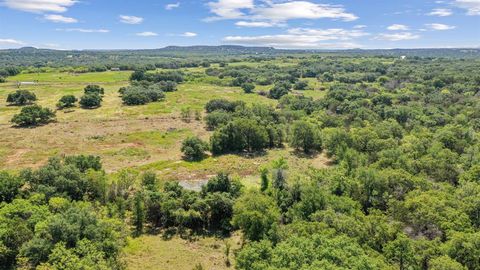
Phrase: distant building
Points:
(115, 69)
(19, 84)
(403, 57)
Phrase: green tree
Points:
(304, 137)
(248, 88)
(255, 214)
(445, 263)
(301, 85)
(194, 148)
(400, 251)
(67, 101)
(33, 115)
(279, 90)
(138, 212)
(94, 89)
(91, 101)
(21, 98)
(9, 187)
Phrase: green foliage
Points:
(445, 263)
(248, 88)
(216, 119)
(222, 104)
(67, 101)
(138, 95)
(91, 101)
(94, 89)
(9, 187)
(279, 90)
(193, 149)
(239, 135)
(21, 98)
(256, 215)
(33, 115)
(138, 218)
(305, 137)
(300, 85)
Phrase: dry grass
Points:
(153, 252)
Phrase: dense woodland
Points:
(402, 192)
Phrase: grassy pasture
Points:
(151, 252)
(142, 137)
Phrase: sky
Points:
(298, 24)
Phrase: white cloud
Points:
(130, 19)
(302, 10)
(439, 26)
(398, 36)
(83, 30)
(172, 6)
(147, 34)
(398, 27)
(10, 42)
(303, 38)
(59, 18)
(441, 12)
(359, 26)
(257, 24)
(39, 6)
(472, 6)
(189, 34)
(276, 12)
(229, 9)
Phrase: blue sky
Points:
(308, 24)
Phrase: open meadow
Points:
(141, 137)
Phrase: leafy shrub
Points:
(194, 149)
(91, 101)
(168, 86)
(2, 79)
(94, 89)
(305, 137)
(279, 90)
(222, 104)
(301, 85)
(216, 119)
(67, 101)
(33, 115)
(21, 97)
(137, 95)
(239, 135)
(248, 88)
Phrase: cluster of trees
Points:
(9, 71)
(238, 127)
(165, 76)
(139, 94)
(175, 208)
(149, 87)
(51, 218)
(404, 191)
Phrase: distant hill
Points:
(30, 56)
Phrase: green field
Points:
(142, 137)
